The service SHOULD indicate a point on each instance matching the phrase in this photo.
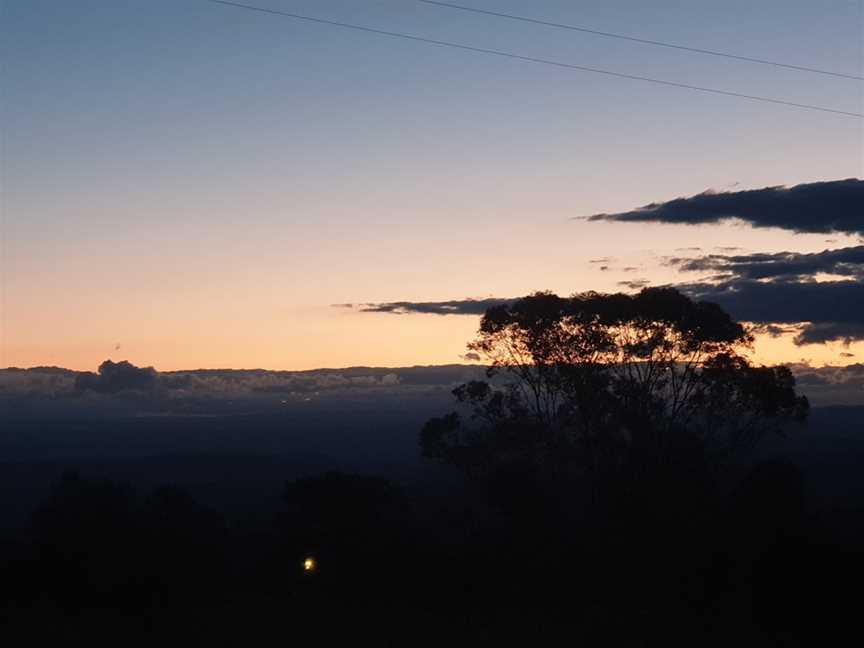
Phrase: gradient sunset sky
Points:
(188, 185)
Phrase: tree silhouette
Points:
(99, 540)
(87, 535)
(185, 543)
(633, 393)
(353, 527)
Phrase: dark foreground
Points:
(110, 555)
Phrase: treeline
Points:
(750, 567)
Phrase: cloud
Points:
(778, 292)
(775, 330)
(831, 385)
(833, 310)
(817, 312)
(823, 207)
(821, 332)
(847, 261)
(205, 392)
(781, 288)
(114, 377)
(635, 284)
(452, 307)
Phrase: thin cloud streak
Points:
(452, 307)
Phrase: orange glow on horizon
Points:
(344, 340)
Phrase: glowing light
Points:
(309, 564)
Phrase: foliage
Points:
(612, 387)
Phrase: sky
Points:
(192, 185)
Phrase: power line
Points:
(644, 41)
(532, 59)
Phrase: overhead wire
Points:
(644, 41)
(534, 59)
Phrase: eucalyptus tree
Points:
(612, 387)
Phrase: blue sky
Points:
(169, 166)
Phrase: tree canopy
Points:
(609, 385)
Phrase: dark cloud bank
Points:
(772, 290)
(782, 288)
(833, 310)
(197, 390)
(817, 207)
(846, 262)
